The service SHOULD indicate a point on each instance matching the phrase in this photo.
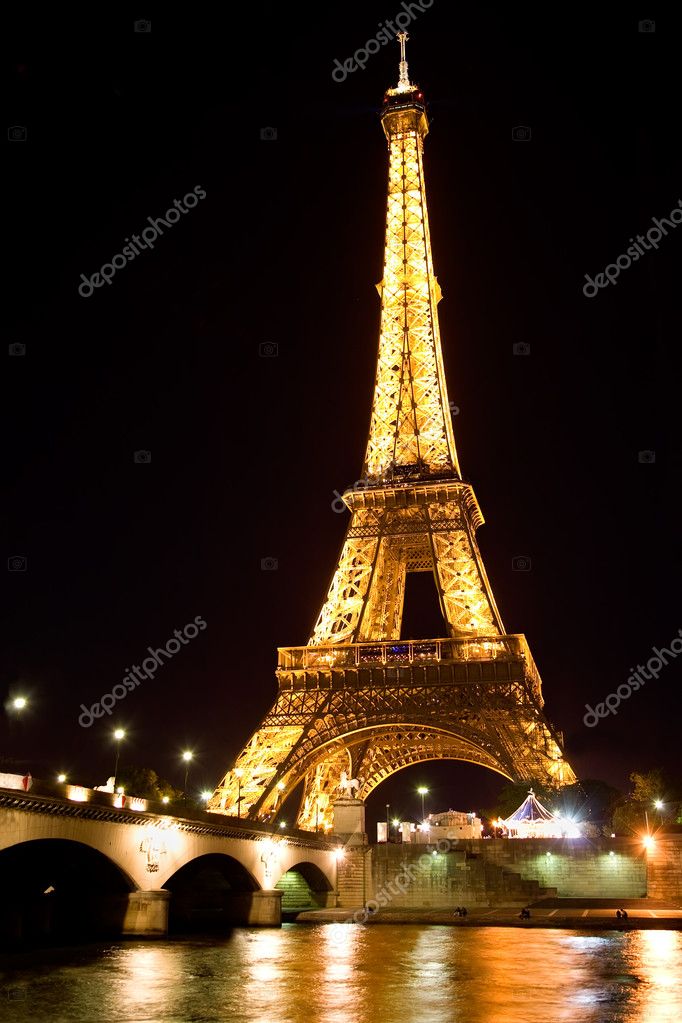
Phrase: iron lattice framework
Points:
(357, 698)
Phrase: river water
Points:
(355, 974)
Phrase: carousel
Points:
(533, 820)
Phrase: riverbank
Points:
(576, 914)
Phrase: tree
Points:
(639, 806)
(589, 802)
(145, 782)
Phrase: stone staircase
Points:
(470, 879)
(350, 887)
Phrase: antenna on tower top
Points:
(403, 80)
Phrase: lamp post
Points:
(388, 824)
(423, 791)
(119, 734)
(187, 756)
(19, 702)
(239, 774)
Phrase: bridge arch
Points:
(379, 751)
(304, 886)
(57, 889)
(209, 892)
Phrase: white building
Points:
(449, 825)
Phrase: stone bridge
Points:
(80, 864)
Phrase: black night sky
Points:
(248, 449)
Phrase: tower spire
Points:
(404, 83)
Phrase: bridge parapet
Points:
(100, 806)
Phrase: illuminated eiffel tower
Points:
(358, 699)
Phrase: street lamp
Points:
(239, 774)
(187, 757)
(206, 795)
(61, 778)
(658, 803)
(119, 734)
(19, 702)
(423, 791)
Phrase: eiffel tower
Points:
(359, 699)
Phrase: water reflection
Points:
(303, 974)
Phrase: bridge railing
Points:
(66, 800)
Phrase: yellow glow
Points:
(649, 841)
(19, 702)
(61, 778)
(187, 756)
(77, 793)
(411, 513)
(119, 734)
